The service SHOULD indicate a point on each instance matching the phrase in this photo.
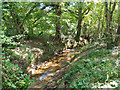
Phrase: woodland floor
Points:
(49, 67)
(51, 63)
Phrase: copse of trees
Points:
(58, 24)
(81, 18)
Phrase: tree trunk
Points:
(108, 15)
(80, 17)
(58, 26)
(117, 39)
(99, 35)
(77, 38)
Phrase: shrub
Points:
(8, 42)
(13, 77)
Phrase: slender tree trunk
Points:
(58, 34)
(108, 15)
(117, 39)
(107, 24)
(77, 38)
(80, 17)
(58, 26)
(102, 33)
(99, 36)
(85, 29)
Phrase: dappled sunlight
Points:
(48, 63)
(44, 71)
(39, 71)
(51, 67)
(60, 45)
(106, 85)
(55, 64)
(37, 50)
(29, 53)
(115, 52)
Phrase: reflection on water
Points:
(45, 75)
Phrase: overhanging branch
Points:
(30, 13)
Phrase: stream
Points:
(45, 75)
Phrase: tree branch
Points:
(27, 15)
(113, 8)
(110, 6)
(95, 14)
(106, 9)
(87, 11)
(30, 12)
(36, 20)
(84, 11)
(73, 13)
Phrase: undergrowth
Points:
(12, 75)
(90, 71)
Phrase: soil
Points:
(47, 59)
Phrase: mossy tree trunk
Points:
(117, 39)
(81, 14)
(108, 19)
(58, 26)
(80, 18)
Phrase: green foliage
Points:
(51, 46)
(18, 38)
(40, 17)
(13, 77)
(10, 41)
(98, 53)
(11, 32)
(84, 48)
(38, 20)
(86, 72)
